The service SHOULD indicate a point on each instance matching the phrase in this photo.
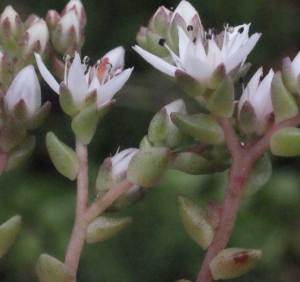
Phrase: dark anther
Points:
(161, 42)
(225, 25)
(241, 29)
(214, 31)
(261, 78)
(189, 28)
(241, 80)
(208, 35)
(194, 40)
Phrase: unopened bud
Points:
(35, 38)
(52, 19)
(68, 34)
(233, 262)
(77, 6)
(10, 24)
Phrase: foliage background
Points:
(155, 247)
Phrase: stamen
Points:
(189, 28)
(162, 42)
(212, 32)
(241, 30)
(66, 58)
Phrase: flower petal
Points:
(296, 65)
(214, 55)
(77, 82)
(111, 87)
(116, 57)
(46, 74)
(183, 42)
(156, 62)
(242, 53)
(198, 69)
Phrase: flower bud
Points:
(162, 131)
(148, 167)
(77, 6)
(103, 228)
(233, 262)
(50, 269)
(8, 233)
(160, 20)
(10, 25)
(68, 34)
(195, 222)
(35, 39)
(52, 19)
(25, 88)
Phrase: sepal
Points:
(233, 262)
(218, 75)
(66, 100)
(62, 156)
(284, 104)
(247, 118)
(148, 166)
(103, 228)
(286, 142)
(40, 116)
(9, 232)
(145, 143)
(221, 101)
(50, 269)
(189, 84)
(202, 127)
(20, 154)
(195, 222)
(158, 127)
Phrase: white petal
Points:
(156, 62)
(183, 42)
(116, 57)
(214, 55)
(77, 82)
(46, 74)
(198, 68)
(242, 53)
(250, 90)
(186, 11)
(262, 102)
(296, 65)
(95, 84)
(235, 42)
(121, 160)
(111, 87)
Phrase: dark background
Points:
(156, 247)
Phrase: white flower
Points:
(121, 160)
(200, 62)
(26, 87)
(80, 84)
(258, 94)
(77, 6)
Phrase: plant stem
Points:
(80, 225)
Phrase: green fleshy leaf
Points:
(104, 179)
(233, 262)
(192, 163)
(259, 176)
(247, 118)
(218, 75)
(103, 228)
(221, 102)
(200, 126)
(286, 142)
(284, 104)
(20, 154)
(148, 166)
(63, 157)
(8, 233)
(145, 143)
(20, 111)
(189, 84)
(50, 269)
(195, 222)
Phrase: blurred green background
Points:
(156, 247)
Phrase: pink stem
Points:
(79, 230)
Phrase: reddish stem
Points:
(243, 159)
